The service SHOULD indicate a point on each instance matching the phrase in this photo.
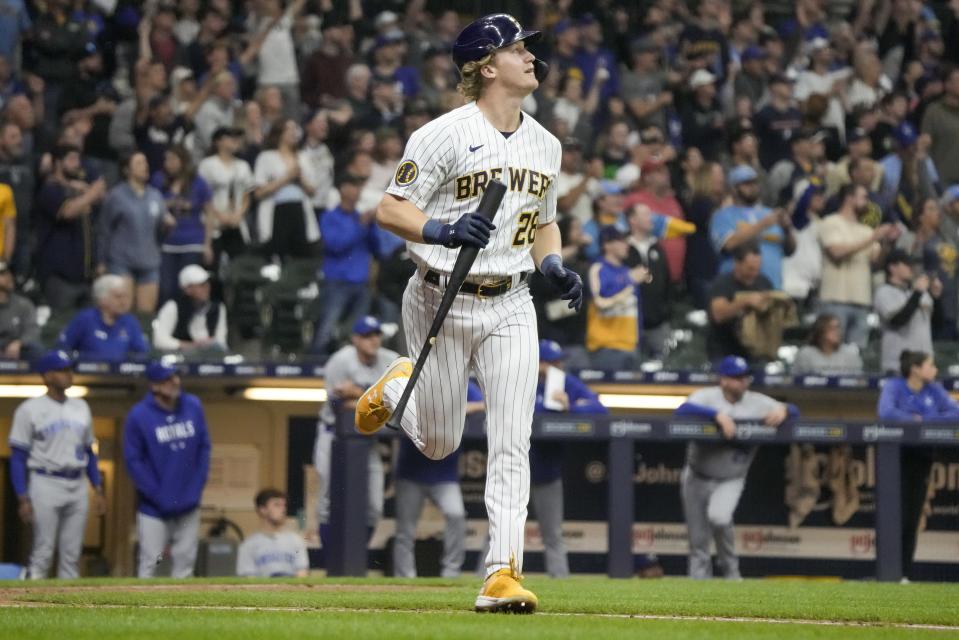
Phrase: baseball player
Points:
(346, 374)
(51, 448)
(715, 472)
(491, 328)
(418, 477)
(546, 458)
(272, 552)
(167, 451)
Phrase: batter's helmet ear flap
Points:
(540, 70)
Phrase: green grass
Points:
(433, 608)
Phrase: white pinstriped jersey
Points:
(445, 168)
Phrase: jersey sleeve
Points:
(21, 434)
(426, 164)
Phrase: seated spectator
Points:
(191, 322)
(915, 397)
(904, 304)
(19, 333)
(346, 263)
(272, 552)
(850, 249)
(64, 213)
(107, 331)
(128, 230)
(826, 354)
(612, 325)
(747, 220)
(731, 295)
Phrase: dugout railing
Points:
(347, 555)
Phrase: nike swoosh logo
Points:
(472, 149)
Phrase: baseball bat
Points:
(489, 204)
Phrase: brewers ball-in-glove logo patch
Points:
(406, 173)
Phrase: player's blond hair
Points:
(471, 81)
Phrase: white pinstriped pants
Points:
(496, 339)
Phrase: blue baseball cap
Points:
(740, 174)
(55, 360)
(158, 371)
(367, 325)
(753, 52)
(951, 194)
(610, 233)
(905, 134)
(733, 367)
(550, 351)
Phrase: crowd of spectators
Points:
(717, 156)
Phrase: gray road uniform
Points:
(713, 479)
(269, 555)
(345, 365)
(55, 438)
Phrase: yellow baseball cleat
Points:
(502, 593)
(371, 410)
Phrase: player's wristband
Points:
(550, 262)
(434, 232)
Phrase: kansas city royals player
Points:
(715, 472)
(167, 451)
(272, 551)
(52, 447)
(491, 327)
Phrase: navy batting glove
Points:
(471, 230)
(567, 282)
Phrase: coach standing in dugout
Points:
(715, 472)
(51, 446)
(167, 451)
(346, 374)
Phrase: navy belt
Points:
(68, 474)
(484, 290)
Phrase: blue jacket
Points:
(167, 455)
(88, 334)
(899, 403)
(346, 246)
(546, 458)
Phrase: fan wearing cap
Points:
(702, 117)
(904, 304)
(51, 445)
(715, 472)
(776, 121)
(566, 394)
(166, 447)
(751, 81)
(346, 374)
(612, 319)
(805, 159)
(822, 78)
(908, 173)
(748, 220)
(389, 51)
(191, 322)
(347, 236)
(19, 332)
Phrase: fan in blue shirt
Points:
(107, 331)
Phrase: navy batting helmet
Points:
(495, 31)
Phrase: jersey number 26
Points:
(526, 231)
